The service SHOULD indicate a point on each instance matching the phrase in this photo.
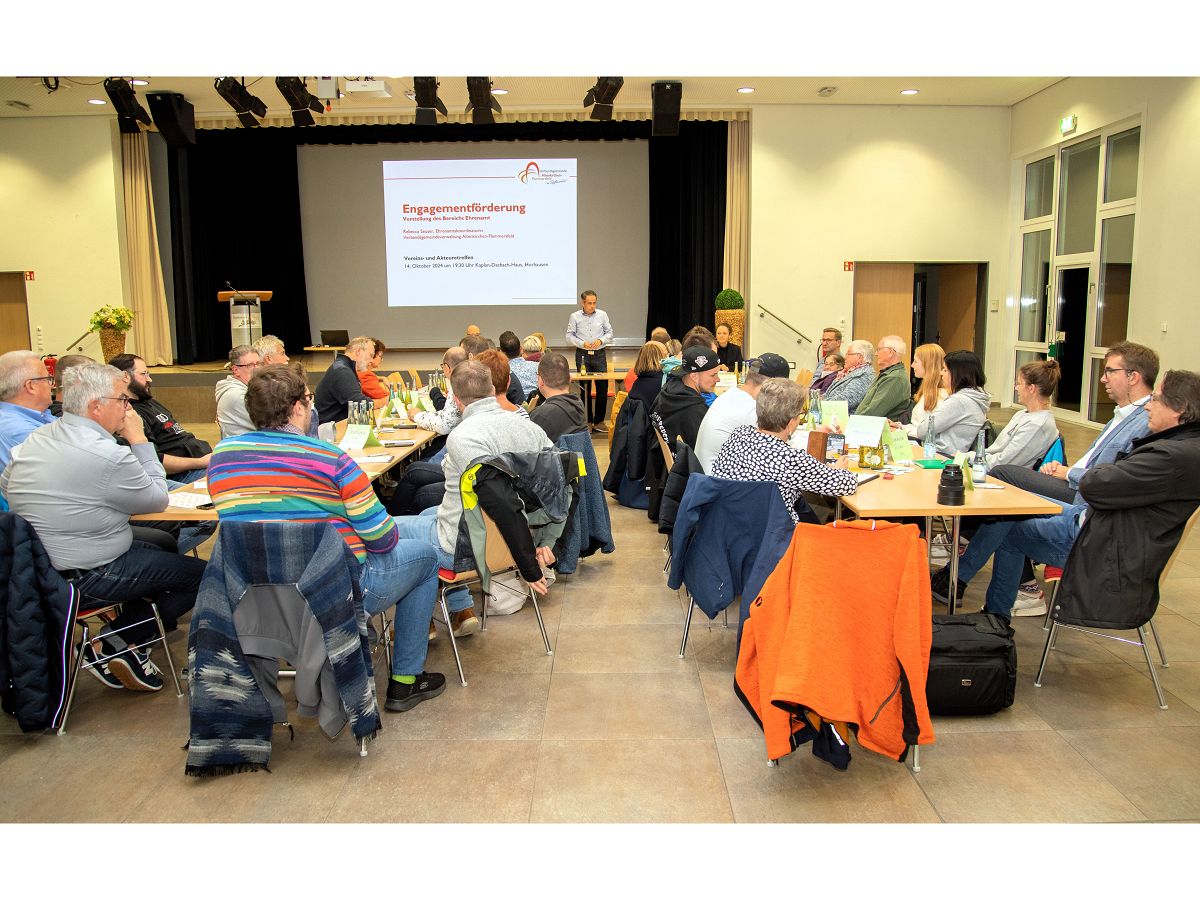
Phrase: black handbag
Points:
(972, 665)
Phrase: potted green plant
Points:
(112, 322)
(731, 311)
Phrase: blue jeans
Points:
(169, 579)
(188, 477)
(424, 528)
(1044, 539)
(404, 577)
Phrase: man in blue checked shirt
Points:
(590, 331)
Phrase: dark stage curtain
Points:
(687, 226)
(235, 216)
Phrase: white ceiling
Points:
(533, 95)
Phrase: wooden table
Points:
(396, 455)
(326, 347)
(915, 494)
(610, 375)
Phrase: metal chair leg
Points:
(1050, 606)
(1158, 641)
(537, 611)
(483, 614)
(162, 632)
(75, 670)
(450, 631)
(726, 611)
(916, 764)
(362, 746)
(687, 624)
(1037, 682)
(1162, 701)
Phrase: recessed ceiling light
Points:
(909, 92)
(500, 91)
(827, 91)
(139, 81)
(96, 102)
(745, 90)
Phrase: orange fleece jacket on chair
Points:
(843, 627)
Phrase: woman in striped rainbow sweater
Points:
(278, 473)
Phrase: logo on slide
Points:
(532, 169)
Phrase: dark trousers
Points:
(422, 486)
(595, 361)
(144, 571)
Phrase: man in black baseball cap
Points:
(680, 407)
(736, 407)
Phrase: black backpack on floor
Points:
(972, 665)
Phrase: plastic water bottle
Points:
(930, 444)
(979, 463)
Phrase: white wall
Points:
(877, 184)
(61, 216)
(1167, 229)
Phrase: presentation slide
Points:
(467, 232)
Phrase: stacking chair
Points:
(804, 377)
(1055, 575)
(416, 379)
(497, 561)
(104, 613)
(612, 419)
(396, 378)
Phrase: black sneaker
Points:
(100, 669)
(401, 697)
(135, 671)
(939, 586)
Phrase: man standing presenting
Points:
(183, 455)
(232, 417)
(590, 331)
(25, 394)
(889, 396)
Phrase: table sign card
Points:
(897, 442)
(960, 460)
(864, 431)
(835, 409)
(359, 436)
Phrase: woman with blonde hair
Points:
(647, 372)
(927, 365)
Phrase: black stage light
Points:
(125, 102)
(428, 103)
(174, 117)
(243, 103)
(602, 94)
(665, 96)
(299, 100)
(481, 102)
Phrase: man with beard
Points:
(183, 455)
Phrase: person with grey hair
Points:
(270, 350)
(340, 385)
(26, 390)
(761, 452)
(855, 379)
(736, 407)
(889, 396)
(525, 367)
(232, 417)
(78, 487)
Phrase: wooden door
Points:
(14, 313)
(957, 291)
(883, 301)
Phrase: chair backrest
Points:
(498, 558)
(1056, 452)
(804, 377)
(618, 402)
(396, 378)
(668, 456)
(416, 378)
(1187, 529)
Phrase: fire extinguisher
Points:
(51, 362)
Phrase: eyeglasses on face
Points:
(253, 365)
(1109, 370)
(125, 401)
(41, 378)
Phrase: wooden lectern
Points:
(245, 314)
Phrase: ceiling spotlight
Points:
(603, 93)
(745, 90)
(243, 103)
(909, 92)
(500, 92)
(125, 102)
(299, 100)
(481, 103)
(827, 91)
(428, 103)
(139, 82)
(96, 102)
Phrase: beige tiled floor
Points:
(614, 727)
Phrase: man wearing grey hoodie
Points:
(232, 417)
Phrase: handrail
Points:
(763, 310)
